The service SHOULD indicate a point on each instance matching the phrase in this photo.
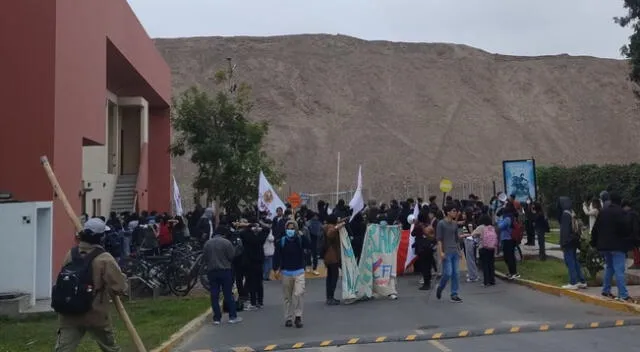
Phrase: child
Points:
(488, 241)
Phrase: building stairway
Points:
(124, 194)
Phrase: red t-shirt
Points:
(164, 235)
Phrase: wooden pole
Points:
(76, 222)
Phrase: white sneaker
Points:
(582, 285)
(570, 287)
(250, 308)
(235, 321)
(393, 296)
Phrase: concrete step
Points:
(123, 193)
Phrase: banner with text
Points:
(377, 267)
(350, 272)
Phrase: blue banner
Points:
(520, 178)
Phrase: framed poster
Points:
(520, 178)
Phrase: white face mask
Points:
(528, 202)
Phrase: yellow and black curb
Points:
(576, 295)
(443, 335)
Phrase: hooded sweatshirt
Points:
(567, 237)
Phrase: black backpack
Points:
(73, 292)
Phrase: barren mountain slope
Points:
(413, 113)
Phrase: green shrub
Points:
(582, 183)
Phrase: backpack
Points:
(73, 292)
(113, 243)
(489, 238)
(517, 232)
(576, 227)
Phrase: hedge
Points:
(582, 183)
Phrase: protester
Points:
(218, 254)
(332, 256)
(488, 243)
(447, 236)
(610, 236)
(289, 263)
(87, 310)
(541, 228)
(505, 226)
(570, 242)
(424, 245)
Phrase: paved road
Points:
(604, 340)
(419, 313)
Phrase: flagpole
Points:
(338, 180)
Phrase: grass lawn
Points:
(155, 320)
(551, 271)
(553, 237)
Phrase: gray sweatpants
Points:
(470, 256)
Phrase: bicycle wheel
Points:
(179, 278)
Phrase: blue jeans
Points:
(573, 266)
(614, 265)
(266, 267)
(221, 280)
(450, 271)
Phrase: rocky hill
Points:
(413, 113)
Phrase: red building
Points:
(84, 85)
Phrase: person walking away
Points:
(505, 226)
(570, 242)
(81, 295)
(253, 238)
(332, 257)
(218, 253)
(315, 233)
(591, 210)
(610, 235)
(488, 243)
(448, 239)
(424, 248)
(289, 263)
(541, 228)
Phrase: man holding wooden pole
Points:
(82, 300)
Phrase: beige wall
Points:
(130, 115)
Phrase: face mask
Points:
(290, 233)
(528, 202)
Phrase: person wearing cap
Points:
(289, 263)
(108, 280)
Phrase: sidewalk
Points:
(553, 250)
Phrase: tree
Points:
(632, 50)
(226, 147)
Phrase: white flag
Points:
(411, 256)
(268, 200)
(177, 200)
(357, 203)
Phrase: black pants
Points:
(488, 263)
(426, 260)
(239, 273)
(531, 234)
(508, 250)
(332, 279)
(254, 286)
(542, 253)
(312, 255)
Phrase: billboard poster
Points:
(520, 178)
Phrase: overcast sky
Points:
(520, 27)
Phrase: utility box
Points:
(26, 234)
